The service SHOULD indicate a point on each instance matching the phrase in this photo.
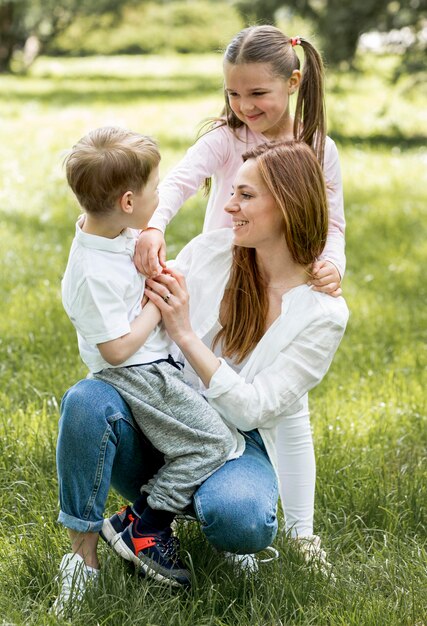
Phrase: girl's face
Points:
(256, 219)
(259, 99)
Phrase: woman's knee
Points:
(90, 404)
(242, 524)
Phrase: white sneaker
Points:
(74, 577)
(310, 548)
(249, 563)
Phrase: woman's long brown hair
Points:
(294, 178)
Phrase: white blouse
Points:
(291, 358)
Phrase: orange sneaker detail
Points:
(140, 543)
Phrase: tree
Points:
(263, 11)
(341, 22)
(28, 25)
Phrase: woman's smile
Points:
(237, 224)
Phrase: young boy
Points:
(114, 175)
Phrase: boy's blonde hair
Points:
(106, 163)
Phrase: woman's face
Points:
(256, 219)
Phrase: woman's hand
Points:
(150, 252)
(169, 293)
(326, 278)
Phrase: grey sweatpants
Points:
(179, 423)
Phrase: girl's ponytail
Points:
(310, 117)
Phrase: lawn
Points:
(368, 416)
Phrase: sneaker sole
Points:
(146, 565)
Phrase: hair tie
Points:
(295, 41)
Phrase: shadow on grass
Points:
(68, 91)
(377, 140)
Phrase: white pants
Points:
(297, 473)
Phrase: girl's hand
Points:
(326, 278)
(169, 293)
(150, 252)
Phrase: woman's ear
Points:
(126, 202)
(294, 81)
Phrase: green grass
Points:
(369, 415)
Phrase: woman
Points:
(257, 336)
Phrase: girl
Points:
(261, 72)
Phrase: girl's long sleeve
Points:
(334, 250)
(201, 161)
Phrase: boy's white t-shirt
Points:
(102, 292)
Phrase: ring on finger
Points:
(166, 298)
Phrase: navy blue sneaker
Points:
(113, 527)
(156, 555)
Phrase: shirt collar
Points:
(125, 242)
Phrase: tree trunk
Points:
(31, 51)
(7, 39)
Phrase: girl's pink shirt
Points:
(218, 154)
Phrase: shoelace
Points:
(171, 547)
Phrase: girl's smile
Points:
(252, 118)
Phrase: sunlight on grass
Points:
(127, 67)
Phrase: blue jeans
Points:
(99, 445)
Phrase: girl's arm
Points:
(331, 265)
(118, 350)
(275, 391)
(201, 161)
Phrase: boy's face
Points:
(145, 202)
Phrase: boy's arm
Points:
(119, 350)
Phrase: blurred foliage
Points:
(27, 26)
(86, 27)
(340, 23)
(152, 27)
(414, 57)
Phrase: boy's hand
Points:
(150, 253)
(327, 278)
